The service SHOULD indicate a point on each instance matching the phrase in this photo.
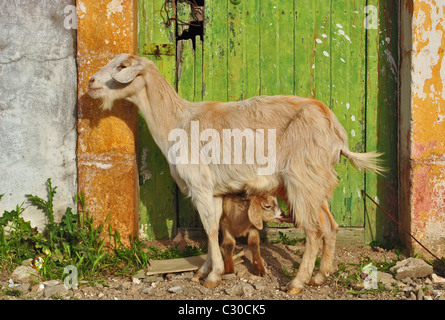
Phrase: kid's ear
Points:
(255, 213)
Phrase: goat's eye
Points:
(267, 207)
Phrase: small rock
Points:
(25, 274)
(24, 288)
(27, 262)
(147, 290)
(134, 289)
(240, 290)
(413, 268)
(260, 286)
(176, 289)
(34, 294)
(229, 277)
(386, 279)
(140, 274)
(407, 280)
(183, 276)
(55, 291)
(438, 280)
(420, 294)
(413, 296)
(154, 279)
(51, 283)
(99, 285)
(136, 280)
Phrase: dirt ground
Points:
(281, 262)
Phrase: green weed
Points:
(286, 240)
(75, 240)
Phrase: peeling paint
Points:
(427, 124)
(115, 6)
(107, 161)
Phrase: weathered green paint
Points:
(348, 73)
(215, 49)
(157, 194)
(382, 118)
(317, 48)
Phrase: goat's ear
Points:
(128, 70)
(255, 214)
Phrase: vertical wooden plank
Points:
(305, 48)
(382, 116)
(235, 54)
(348, 63)
(251, 47)
(286, 46)
(215, 50)
(198, 70)
(322, 38)
(157, 203)
(269, 48)
(186, 69)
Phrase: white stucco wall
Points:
(38, 96)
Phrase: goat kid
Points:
(309, 142)
(244, 216)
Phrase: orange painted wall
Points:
(107, 163)
(427, 132)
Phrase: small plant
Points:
(76, 240)
(352, 276)
(286, 240)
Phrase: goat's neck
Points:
(162, 108)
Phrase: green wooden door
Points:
(327, 49)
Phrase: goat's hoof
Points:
(213, 280)
(198, 275)
(294, 291)
(211, 284)
(317, 280)
(260, 272)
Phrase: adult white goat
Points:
(308, 138)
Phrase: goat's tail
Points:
(365, 161)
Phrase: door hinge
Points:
(159, 49)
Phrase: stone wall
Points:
(38, 85)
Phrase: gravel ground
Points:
(280, 261)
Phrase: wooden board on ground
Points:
(176, 265)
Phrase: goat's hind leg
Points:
(227, 248)
(330, 228)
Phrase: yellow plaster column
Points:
(107, 162)
(423, 123)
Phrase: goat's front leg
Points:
(210, 211)
(253, 240)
